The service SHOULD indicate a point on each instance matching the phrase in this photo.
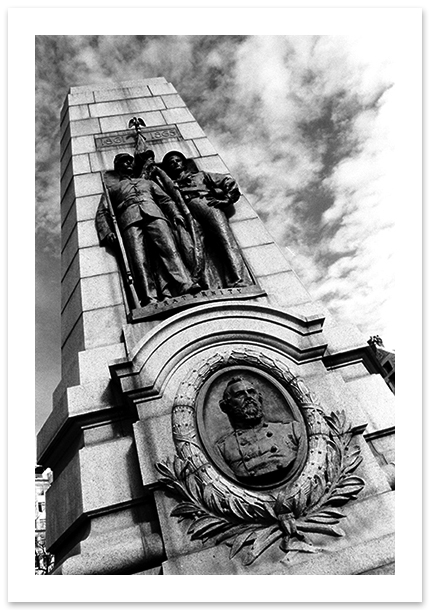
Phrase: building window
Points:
(41, 507)
(388, 367)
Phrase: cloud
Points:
(313, 146)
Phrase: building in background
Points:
(386, 361)
(43, 560)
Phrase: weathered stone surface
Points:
(388, 569)
(205, 147)
(109, 474)
(91, 293)
(372, 390)
(69, 251)
(70, 280)
(101, 291)
(70, 314)
(121, 93)
(84, 127)
(153, 442)
(83, 97)
(96, 261)
(114, 85)
(343, 337)
(191, 130)
(212, 164)
(284, 289)
(84, 235)
(78, 112)
(103, 326)
(64, 498)
(74, 343)
(126, 106)
(242, 211)
(173, 101)
(266, 259)
(177, 115)
(368, 544)
(116, 123)
(160, 88)
(82, 144)
(88, 184)
(126, 556)
(251, 233)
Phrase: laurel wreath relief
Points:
(252, 521)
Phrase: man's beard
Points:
(249, 413)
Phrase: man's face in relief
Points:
(125, 166)
(175, 165)
(244, 402)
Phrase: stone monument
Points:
(211, 417)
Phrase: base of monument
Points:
(188, 300)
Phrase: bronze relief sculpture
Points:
(207, 195)
(256, 450)
(145, 215)
(281, 488)
(168, 227)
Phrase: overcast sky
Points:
(305, 123)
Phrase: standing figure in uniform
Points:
(206, 194)
(145, 215)
(256, 451)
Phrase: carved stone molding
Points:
(152, 358)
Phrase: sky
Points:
(306, 124)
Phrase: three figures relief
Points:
(173, 231)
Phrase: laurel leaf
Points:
(216, 505)
(263, 540)
(316, 492)
(209, 530)
(238, 509)
(352, 465)
(331, 470)
(299, 503)
(280, 507)
(240, 541)
(339, 500)
(336, 531)
(202, 524)
(289, 526)
(183, 509)
(349, 490)
(207, 494)
(322, 519)
(262, 512)
(320, 528)
(195, 487)
(270, 511)
(332, 513)
(230, 533)
(178, 466)
(333, 422)
(164, 469)
(173, 486)
(342, 420)
(351, 480)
